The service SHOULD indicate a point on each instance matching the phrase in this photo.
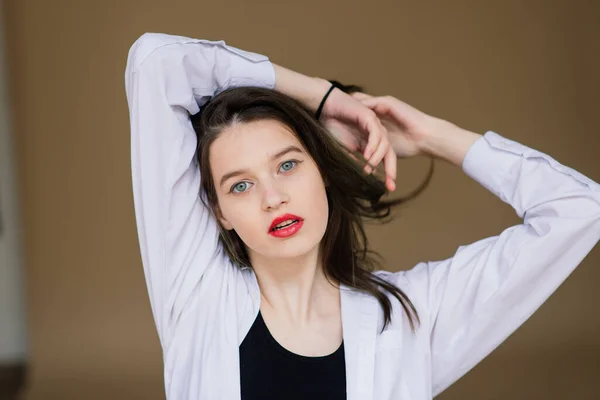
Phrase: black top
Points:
(270, 371)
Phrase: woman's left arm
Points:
(473, 301)
(488, 289)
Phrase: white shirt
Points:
(203, 306)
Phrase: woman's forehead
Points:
(250, 143)
(263, 134)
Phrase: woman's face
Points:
(261, 171)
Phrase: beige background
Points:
(526, 69)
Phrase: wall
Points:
(13, 347)
(527, 70)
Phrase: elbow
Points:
(578, 220)
(142, 48)
(591, 222)
(595, 215)
(596, 224)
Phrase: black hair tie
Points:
(320, 109)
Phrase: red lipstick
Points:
(294, 223)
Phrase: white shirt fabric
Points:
(203, 306)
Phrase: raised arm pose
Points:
(250, 215)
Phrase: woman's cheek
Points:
(244, 221)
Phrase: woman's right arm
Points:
(167, 79)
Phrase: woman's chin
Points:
(292, 248)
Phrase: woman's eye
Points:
(288, 165)
(239, 187)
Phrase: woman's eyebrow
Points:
(289, 149)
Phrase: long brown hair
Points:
(353, 196)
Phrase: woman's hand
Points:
(412, 132)
(358, 128)
(407, 127)
(370, 136)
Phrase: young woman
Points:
(249, 215)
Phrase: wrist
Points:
(448, 141)
(307, 90)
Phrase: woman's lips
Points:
(288, 231)
(283, 218)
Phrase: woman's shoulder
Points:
(402, 277)
(413, 282)
(424, 273)
(389, 275)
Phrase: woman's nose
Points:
(274, 197)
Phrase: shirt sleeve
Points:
(481, 295)
(167, 79)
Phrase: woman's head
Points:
(261, 171)
(263, 155)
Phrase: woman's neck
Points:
(296, 288)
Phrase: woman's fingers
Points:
(399, 111)
(360, 111)
(390, 165)
(390, 161)
(360, 96)
(375, 130)
(380, 106)
(380, 152)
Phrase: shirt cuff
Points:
(493, 160)
(249, 69)
(490, 160)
